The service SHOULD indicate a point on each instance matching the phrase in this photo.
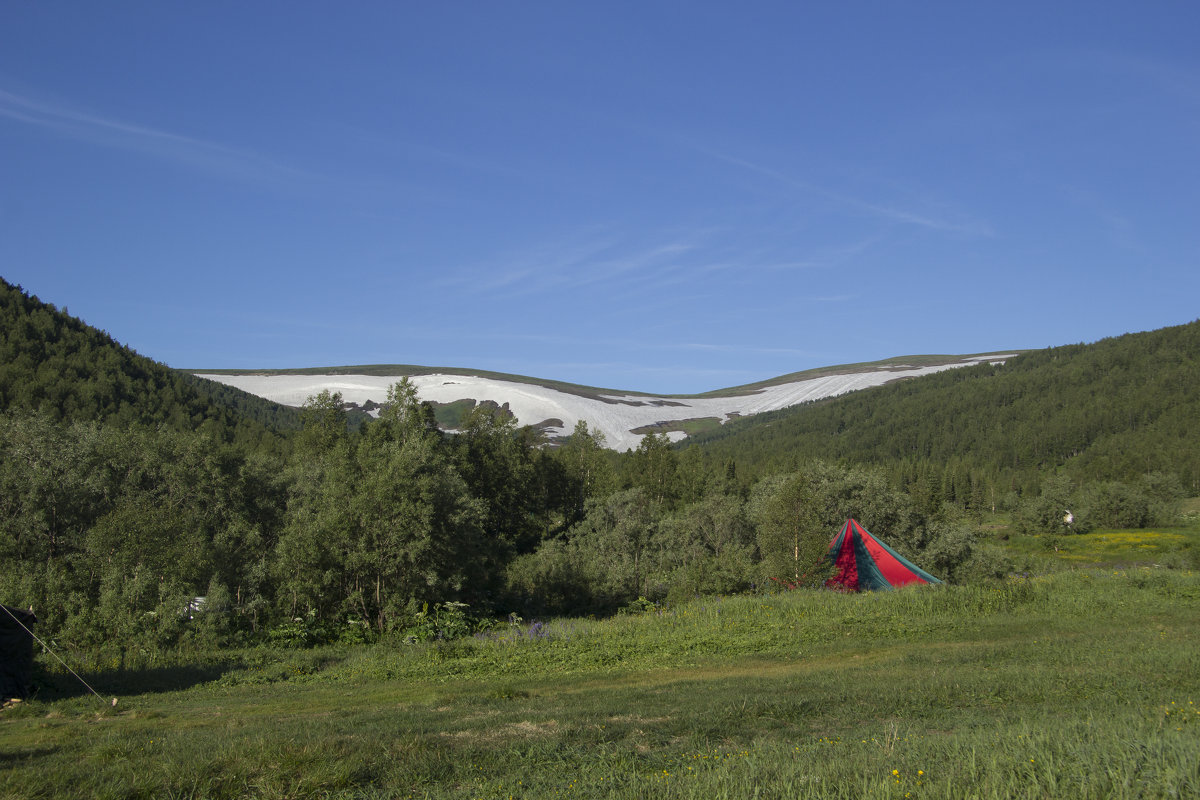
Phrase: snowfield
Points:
(615, 415)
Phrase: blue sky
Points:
(661, 196)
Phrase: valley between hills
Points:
(623, 417)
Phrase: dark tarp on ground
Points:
(16, 653)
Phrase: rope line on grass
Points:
(51, 652)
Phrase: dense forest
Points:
(54, 364)
(1109, 411)
(143, 508)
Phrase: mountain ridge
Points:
(401, 370)
(623, 416)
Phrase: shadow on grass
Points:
(248, 666)
(26, 755)
(124, 682)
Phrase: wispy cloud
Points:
(885, 211)
(591, 261)
(828, 256)
(96, 129)
(694, 266)
(532, 268)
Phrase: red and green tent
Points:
(862, 563)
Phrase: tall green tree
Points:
(655, 469)
(792, 533)
(709, 547)
(619, 537)
(498, 461)
(111, 532)
(381, 527)
(323, 423)
(586, 467)
(305, 562)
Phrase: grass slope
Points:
(1081, 684)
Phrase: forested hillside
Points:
(54, 364)
(128, 490)
(1112, 410)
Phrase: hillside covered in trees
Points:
(1112, 410)
(128, 490)
(56, 365)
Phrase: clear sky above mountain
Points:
(668, 197)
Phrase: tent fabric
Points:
(862, 563)
(16, 653)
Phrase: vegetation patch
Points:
(1028, 687)
(369, 606)
(687, 426)
(1177, 547)
(1124, 545)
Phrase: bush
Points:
(1116, 505)
(1153, 500)
(298, 632)
(949, 548)
(987, 562)
(639, 606)
(354, 632)
(731, 573)
(551, 581)
(442, 623)
(1046, 512)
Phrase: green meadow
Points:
(1176, 546)
(1080, 683)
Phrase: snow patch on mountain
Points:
(615, 415)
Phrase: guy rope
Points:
(47, 648)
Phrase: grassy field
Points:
(1079, 684)
(1175, 547)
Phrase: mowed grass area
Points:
(1078, 684)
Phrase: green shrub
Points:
(444, 622)
(1116, 505)
(1047, 512)
(554, 580)
(299, 632)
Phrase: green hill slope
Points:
(54, 364)
(1111, 410)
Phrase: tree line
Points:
(113, 533)
(127, 494)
